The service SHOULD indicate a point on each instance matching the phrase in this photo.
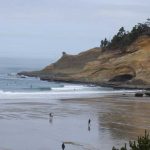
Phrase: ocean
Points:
(15, 85)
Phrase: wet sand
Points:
(25, 123)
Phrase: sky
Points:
(45, 28)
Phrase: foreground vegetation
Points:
(143, 143)
(124, 38)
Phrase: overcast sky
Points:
(45, 28)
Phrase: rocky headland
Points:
(122, 62)
(129, 69)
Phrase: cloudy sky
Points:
(45, 28)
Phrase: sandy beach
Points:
(25, 123)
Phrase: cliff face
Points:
(130, 69)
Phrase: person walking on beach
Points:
(89, 122)
(63, 146)
(50, 115)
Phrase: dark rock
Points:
(138, 94)
(147, 94)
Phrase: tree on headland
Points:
(104, 43)
(121, 32)
(124, 38)
(63, 53)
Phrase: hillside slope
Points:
(110, 68)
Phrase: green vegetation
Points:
(143, 143)
(124, 38)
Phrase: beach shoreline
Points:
(114, 85)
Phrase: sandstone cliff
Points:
(110, 68)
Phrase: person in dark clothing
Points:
(51, 115)
(89, 122)
(63, 146)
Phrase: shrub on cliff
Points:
(143, 143)
(124, 38)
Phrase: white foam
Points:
(61, 93)
(73, 88)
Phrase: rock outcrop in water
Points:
(130, 69)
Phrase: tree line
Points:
(124, 38)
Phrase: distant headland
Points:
(122, 62)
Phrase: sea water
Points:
(19, 86)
